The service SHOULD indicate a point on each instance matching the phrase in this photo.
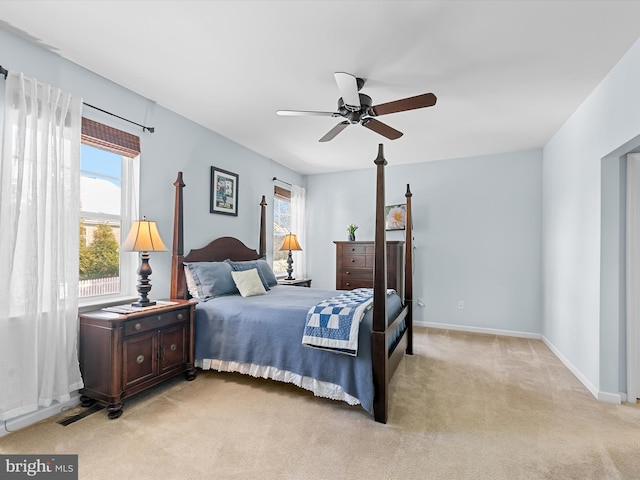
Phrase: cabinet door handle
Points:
(173, 347)
(140, 358)
(138, 326)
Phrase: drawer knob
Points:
(159, 317)
(347, 273)
(180, 316)
(138, 326)
(353, 260)
(348, 284)
(140, 358)
(173, 347)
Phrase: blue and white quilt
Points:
(333, 324)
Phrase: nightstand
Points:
(123, 353)
(297, 282)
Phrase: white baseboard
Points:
(41, 414)
(486, 331)
(606, 397)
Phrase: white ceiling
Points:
(507, 74)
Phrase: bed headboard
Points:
(220, 249)
(216, 251)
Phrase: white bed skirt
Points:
(319, 389)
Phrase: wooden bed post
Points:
(408, 272)
(378, 336)
(177, 288)
(263, 228)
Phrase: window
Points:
(281, 226)
(108, 204)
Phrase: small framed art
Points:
(395, 216)
(224, 192)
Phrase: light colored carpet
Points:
(465, 406)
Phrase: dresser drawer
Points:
(353, 274)
(355, 261)
(154, 321)
(351, 283)
(355, 249)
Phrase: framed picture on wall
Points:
(224, 192)
(395, 216)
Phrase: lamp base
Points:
(289, 267)
(144, 284)
(143, 303)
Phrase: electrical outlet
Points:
(460, 304)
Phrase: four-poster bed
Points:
(258, 335)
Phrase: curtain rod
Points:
(275, 179)
(144, 128)
(5, 72)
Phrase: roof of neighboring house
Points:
(99, 195)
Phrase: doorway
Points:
(633, 276)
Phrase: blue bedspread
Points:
(267, 330)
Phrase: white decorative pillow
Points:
(248, 282)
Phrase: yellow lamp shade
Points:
(290, 242)
(143, 237)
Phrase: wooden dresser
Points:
(123, 354)
(354, 265)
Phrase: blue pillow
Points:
(267, 273)
(259, 265)
(209, 279)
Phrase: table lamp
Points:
(290, 243)
(144, 238)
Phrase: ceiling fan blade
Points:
(302, 113)
(334, 131)
(348, 87)
(382, 128)
(411, 103)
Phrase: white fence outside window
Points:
(98, 286)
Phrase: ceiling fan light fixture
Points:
(357, 107)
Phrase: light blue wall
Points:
(583, 286)
(177, 145)
(477, 229)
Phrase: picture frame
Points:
(224, 192)
(395, 217)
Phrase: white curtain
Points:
(39, 237)
(129, 202)
(298, 200)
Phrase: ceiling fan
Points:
(356, 107)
